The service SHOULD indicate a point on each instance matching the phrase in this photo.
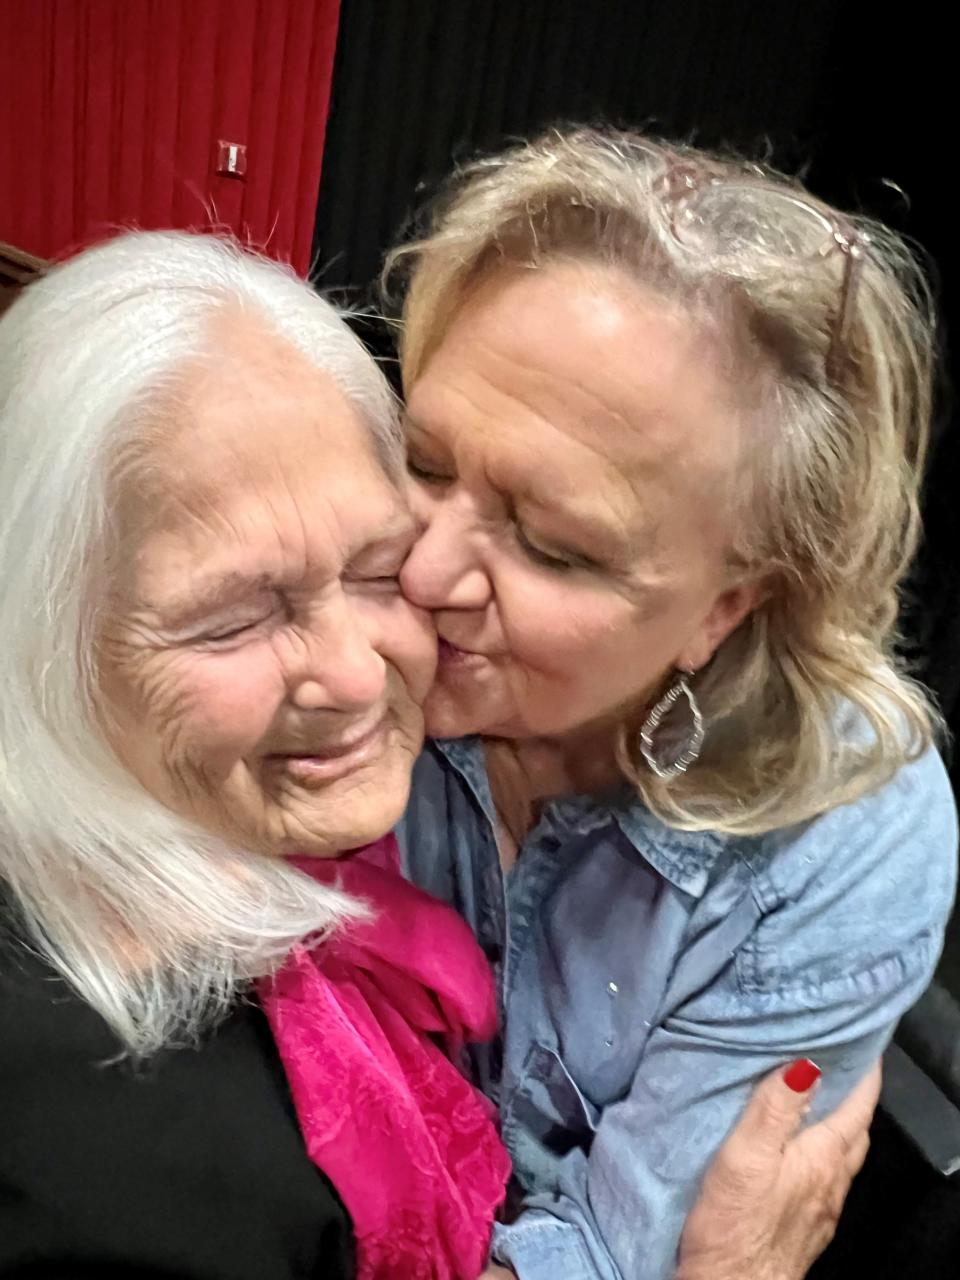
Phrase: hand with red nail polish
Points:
(772, 1198)
(801, 1076)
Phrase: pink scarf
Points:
(409, 1144)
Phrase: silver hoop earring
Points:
(683, 753)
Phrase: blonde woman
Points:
(666, 415)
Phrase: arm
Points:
(772, 1198)
(109, 1171)
(623, 1208)
(849, 928)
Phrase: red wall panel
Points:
(111, 111)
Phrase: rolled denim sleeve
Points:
(846, 940)
(542, 1246)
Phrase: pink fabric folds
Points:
(366, 1025)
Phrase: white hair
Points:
(154, 922)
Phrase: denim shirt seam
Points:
(523, 897)
(755, 965)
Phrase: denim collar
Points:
(684, 858)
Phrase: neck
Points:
(524, 772)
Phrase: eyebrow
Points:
(409, 423)
(399, 535)
(212, 591)
(605, 538)
(534, 493)
(209, 592)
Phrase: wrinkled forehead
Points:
(581, 378)
(251, 417)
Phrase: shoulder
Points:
(906, 827)
(864, 886)
(44, 1021)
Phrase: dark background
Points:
(859, 100)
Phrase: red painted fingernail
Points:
(801, 1075)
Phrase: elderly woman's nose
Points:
(444, 570)
(341, 672)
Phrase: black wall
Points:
(421, 82)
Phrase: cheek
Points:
(407, 642)
(232, 699)
(211, 705)
(589, 649)
(562, 629)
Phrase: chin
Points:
(343, 836)
(448, 717)
(360, 818)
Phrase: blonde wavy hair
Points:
(806, 704)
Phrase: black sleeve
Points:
(190, 1168)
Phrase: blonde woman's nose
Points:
(444, 570)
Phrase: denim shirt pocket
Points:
(547, 1116)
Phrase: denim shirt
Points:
(650, 977)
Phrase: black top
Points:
(191, 1167)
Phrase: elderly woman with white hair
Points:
(208, 666)
(220, 1052)
(667, 416)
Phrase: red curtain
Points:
(111, 112)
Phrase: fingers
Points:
(857, 1154)
(847, 1126)
(834, 1150)
(838, 1181)
(776, 1110)
(855, 1113)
